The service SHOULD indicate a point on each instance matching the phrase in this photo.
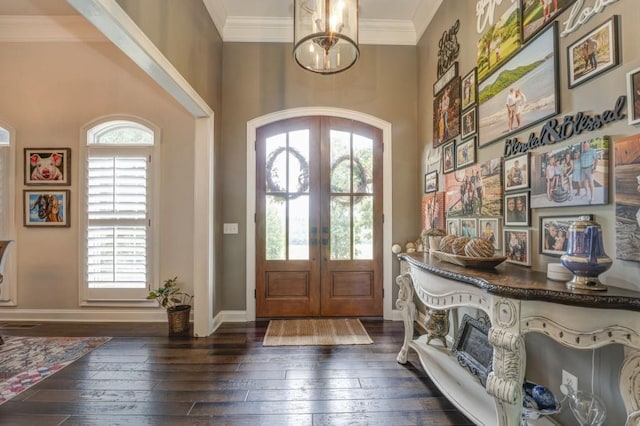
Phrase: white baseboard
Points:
(83, 315)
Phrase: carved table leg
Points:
(408, 311)
(505, 381)
(630, 385)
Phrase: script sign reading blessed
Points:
(555, 131)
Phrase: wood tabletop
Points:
(518, 282)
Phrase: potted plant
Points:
(176, 302)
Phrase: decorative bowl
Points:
(538, 401)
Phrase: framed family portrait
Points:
(500, 40)
(446, 113)
(489, 229)
(465, 153)
(470, 89)
(473, 349)
(536, 15)
(554, 232)
(524, 91)
(431, 182)
(469, 122)
(449, 157)
(516, 172)
(517, 246)
(475, 190)
(516, 209)
(633, 96)
(44, 166)
(469, 227)
(627, 197)
(433, 211)
(46, 208)
(571, 175)
(593, 54)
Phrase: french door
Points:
(318, 218)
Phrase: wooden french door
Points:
(318, 218)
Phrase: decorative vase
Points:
(585, 256)
(434, 243)
(437, 325)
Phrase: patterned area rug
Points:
(309, 332)
(25, 361)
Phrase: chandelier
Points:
(325, 37)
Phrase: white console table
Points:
(517, 301)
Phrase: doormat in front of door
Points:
(316, 332)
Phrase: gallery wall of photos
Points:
(551, 158)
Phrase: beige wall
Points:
(49, 92)
(261, 78)
(593, 97)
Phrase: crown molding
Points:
(423, 16)
(280, 30)
(218, 13)
(37, 28)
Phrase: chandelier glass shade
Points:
(325, 35)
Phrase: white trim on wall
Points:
(9, 293)
(251, 195)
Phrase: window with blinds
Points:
(118, 210)
(8, 290)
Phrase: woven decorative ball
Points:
(479, 247)
(458, 245)
(446, 242)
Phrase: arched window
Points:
(118, 207)
(7, 212)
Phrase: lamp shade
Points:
(325, 34)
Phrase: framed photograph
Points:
(554, 231)
(453, 227)
(627, 206)
(43, 166)
(434, 159)
(633, 96)
(465, 153)
(433, 211)
(475, 190)
(468, 227)
(470, 89)
(517, 246)
(446, 113)
(472, 347)
(536, 15)
(489, 229)
(500, 40)
(430, 182)
(524, 92)
(594, 53)
(469, 123)
(516, 209)
(46, 208)
(449, 157)
(516, 172)
(571, 175)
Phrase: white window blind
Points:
(118, 208)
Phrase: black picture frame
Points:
(540, 85)
(446, 113)
(606, 50)
(549, 240)
(633, 96)
(469, 122)
(431, 182)
(465, 153)
(449, 157)
(450, 74)
(473, 349)
(469, 89)
(517, 172)
(514, 215)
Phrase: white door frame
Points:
(251, 194)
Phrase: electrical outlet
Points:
(569, 380)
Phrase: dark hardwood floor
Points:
(143, 377)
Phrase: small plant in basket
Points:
(176, 302)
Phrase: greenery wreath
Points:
(303, 178)
(359, 171)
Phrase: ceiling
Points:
(381, 21)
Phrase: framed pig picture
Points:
(47, 166)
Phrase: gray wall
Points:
(261, 78)
(545, 358)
